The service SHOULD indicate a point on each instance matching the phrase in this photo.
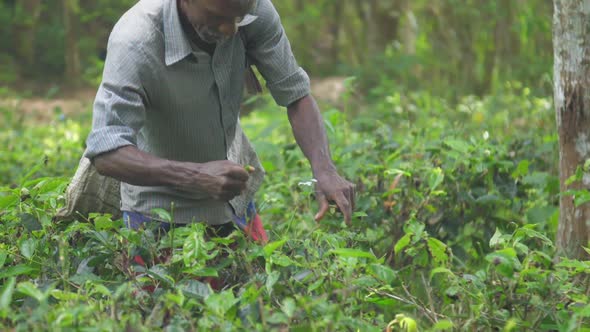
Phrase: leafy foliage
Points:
(456, 210)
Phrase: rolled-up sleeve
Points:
(270, 50)
(120, 104)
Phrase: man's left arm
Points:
(310, 134)
(269, 48)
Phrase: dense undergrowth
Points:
(455, 217)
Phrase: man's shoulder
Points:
(267, 18)
(140, 25)
(265, 11)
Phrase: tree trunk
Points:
(571, 40)
(72, 54)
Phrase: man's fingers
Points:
(323, 208)
(351, 198)
(343, 203)
(238, 173)
(231, 188)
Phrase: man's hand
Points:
(331, 187)
(222, 179)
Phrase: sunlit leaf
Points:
(271, 280)
(438, 250)
(272, 246)
(435, 178)
(29, 289)
(383, 273)
(6, 294)
(442, 325)
(28, 247)
(402, 243)
(17, 270)
(162, 215)
(348, 252)
(289, 307)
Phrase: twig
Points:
(428, 313)
(430, 300)
(432, 314)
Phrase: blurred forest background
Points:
(450, 48)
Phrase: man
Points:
(166, 114)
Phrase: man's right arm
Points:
(222, 180)
(119, 114)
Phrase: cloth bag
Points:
(90, 192)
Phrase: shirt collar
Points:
(177, 46)
(247, 20)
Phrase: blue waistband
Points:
(134, 220)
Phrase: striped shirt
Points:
(177, 102)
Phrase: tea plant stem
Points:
(259, 301)
(261, 310)
(429, 293)
(526, 308)
(427, 312)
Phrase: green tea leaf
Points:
(581, 197)
(202, 272)
(28, 247)
(527, 232)
(382, 273)
(521, 170)
(103, 222)
(3, 256)
(160, 273)
(195, 289)
(221, 303)
(289, 307)
(6, 295)
(458, 145)
(442, 325)
(438, 250)
(271, 280)
(272, 246)
(28, 289)
(439, 270)
(30, 222)
(348, 252)
(402, 243)
(8, 201)
(435, 178)
(315, 285)
(17, 270)
(505, 261)
(162, 215)
(496, 239)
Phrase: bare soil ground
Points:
(38, 109)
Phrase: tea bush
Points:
(456, 211)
